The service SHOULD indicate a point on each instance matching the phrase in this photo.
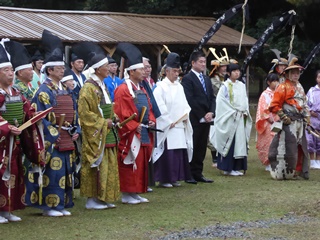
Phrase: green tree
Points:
(6, 3)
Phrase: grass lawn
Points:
(252, 197)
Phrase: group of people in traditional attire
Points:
(115, 121)
(283, 122)
(133, 132)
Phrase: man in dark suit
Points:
(199, 94)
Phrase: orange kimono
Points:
(263, 126)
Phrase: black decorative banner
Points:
(311, 56)
(287, 17)
(218, 23)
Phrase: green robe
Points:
(28, 92)
(101, 182)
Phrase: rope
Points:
(243, 23)
(292, 38)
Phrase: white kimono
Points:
(231, 107)
(174, 107)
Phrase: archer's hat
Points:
(132, 54)
(293, 63)
(279, 60)
(20, 57)
(53, 49)
(223, 60)
(4, 56)
(173, 60)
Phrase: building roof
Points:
(109, 28)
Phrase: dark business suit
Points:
(201, 103)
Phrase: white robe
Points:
(173, 106)
(229, 120)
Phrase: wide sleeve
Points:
(164, 119)
(94, 125)
(124, 107)
(278, 99)
(4, 131)
(43, 100)
(262, 115)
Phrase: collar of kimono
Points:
(129, 85)
(102, 87)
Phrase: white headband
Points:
(29, 65)
(5, 64)
(135, 66)
(56, 63)
(66, 78)
(100, 63)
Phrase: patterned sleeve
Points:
(42, 101)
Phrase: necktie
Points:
(202, 82)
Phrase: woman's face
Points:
(235, 74)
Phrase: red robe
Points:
(16, 200)
(131, 180)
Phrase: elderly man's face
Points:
(25, 74)
(6, 76)
(137, 75)
(56, 73)
(173, 74)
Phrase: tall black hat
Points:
(91, 53)
(173, 60)
(53, 49)
(37, 56)
(132, 54)
(20, 57)
(4, 56)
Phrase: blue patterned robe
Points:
(57, 177)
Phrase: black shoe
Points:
(203, 179)
(191, 181)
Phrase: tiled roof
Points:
(108, 28)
